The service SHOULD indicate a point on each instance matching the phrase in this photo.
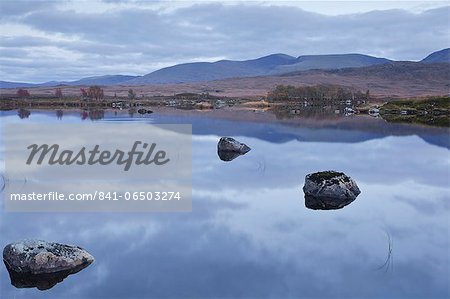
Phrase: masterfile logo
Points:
(52, 155)
(102, 167)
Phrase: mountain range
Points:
(275, 64)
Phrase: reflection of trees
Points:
(131, 112)
(59, 114)
(94, 114)
(23, 113)
(316, 111)
(84, 115)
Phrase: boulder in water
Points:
(228, 144)
(329, 190)
(42, 264)
(228, 156)
(144, 111)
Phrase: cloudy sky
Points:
(67, 40)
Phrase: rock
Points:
(39, 257)
(329, 190)
(204, 105)
(229, 149)
(43, 281)
(228, 156)
(220, 104)
(228, 144)
(144, 111)
(42, 264)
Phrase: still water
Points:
(249, 233)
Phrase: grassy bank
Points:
(433, 111)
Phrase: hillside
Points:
(102, 80)
(395, 79)
(268, 65)
(401, 70)
(309, 62)
(98, 80)
(206, 71)
(438, 56)
(321, 67)
(7, 84)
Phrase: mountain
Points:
(270, 65)
(398, 70)
(309, 62)
(393, 80)
(102, 80)
(106, 80)
(267, 65)
(7, 84)
(207, 71)
(438, 56)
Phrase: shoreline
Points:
(432, 111)
(229, 114)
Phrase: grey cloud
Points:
(13, 53)
(148, 37)
(121, 26)
(11, 8)
(24, 41)
(298, 32)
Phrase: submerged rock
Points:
(228, 144)
(329, 190)
(42, 264)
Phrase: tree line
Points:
(316, 93)
(93, 93)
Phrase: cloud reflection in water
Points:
(249, 235)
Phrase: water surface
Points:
(250, 234)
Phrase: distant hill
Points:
(207, 71)
(399, 70)
(102, 80)
(384, 81)
(107, 80)
(438, 56)
(6, 84)
(270, 65)
(309, 62)
(397, 79)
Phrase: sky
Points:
(67, 40)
